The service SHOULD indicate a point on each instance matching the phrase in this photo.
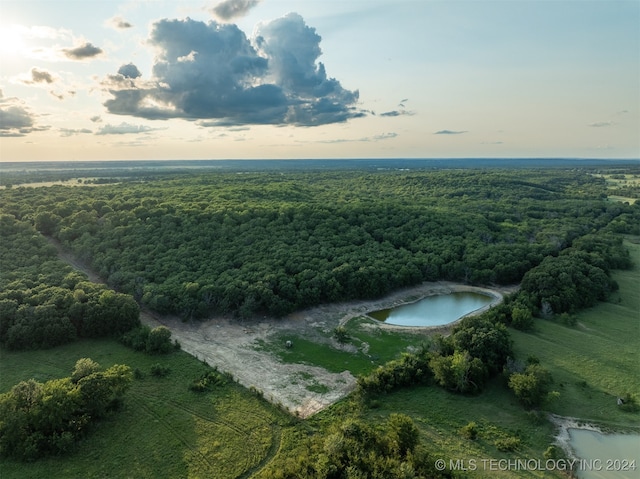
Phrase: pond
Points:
(434, 310)
(606, 456)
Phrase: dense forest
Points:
(44, 302)
(248, 243)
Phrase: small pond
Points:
(606, 456)
(434, 310)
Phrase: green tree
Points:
(531, 386)
(84, 367)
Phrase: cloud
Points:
(230, 9)
(82, 52)
(129, 71)
(124, 129)
(365, 139)
(41, 76)
(96, 119)
(600, 124)
(397, 113)
(16, 119)
(450, 132)
(71, 132)
(118, 23)
(211, 71)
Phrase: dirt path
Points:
(230, 345)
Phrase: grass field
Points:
(370, 347)
(163, 430)
(597, 360)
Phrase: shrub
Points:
(508, 444)
(159, 341)
(209, 380)
(470, 431)
(136, 339)
(340, 334)
(160, 371)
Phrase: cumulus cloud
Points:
(118, 23)
(129, 71)
(15, 118)
(213, 72)
(450, 132)
(82, 52)
(230, 9)
(123, 129)
(41, 76)
(96, 119)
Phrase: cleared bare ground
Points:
(230, 344)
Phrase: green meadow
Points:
(597, 360)
(373, 347)
(163, 429)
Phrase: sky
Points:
(210, 79)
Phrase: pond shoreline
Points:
(425, 290)
(563, 424)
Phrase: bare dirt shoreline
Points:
(230, 344)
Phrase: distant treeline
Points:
(273, 242)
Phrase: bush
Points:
(136, 339)
(209, 380)
(340, 334)
(508, 444)
(151, 341)
(470, 431)
(159, 341)
(160, 371)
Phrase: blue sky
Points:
(153, 79)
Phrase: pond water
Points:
(434, 310)
(606, 456)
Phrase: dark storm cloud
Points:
(82, 52)
(129, 71)
(211, 71)
(230, 9)
(450, 132)
(15, 118)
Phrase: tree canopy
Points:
(273, 242)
